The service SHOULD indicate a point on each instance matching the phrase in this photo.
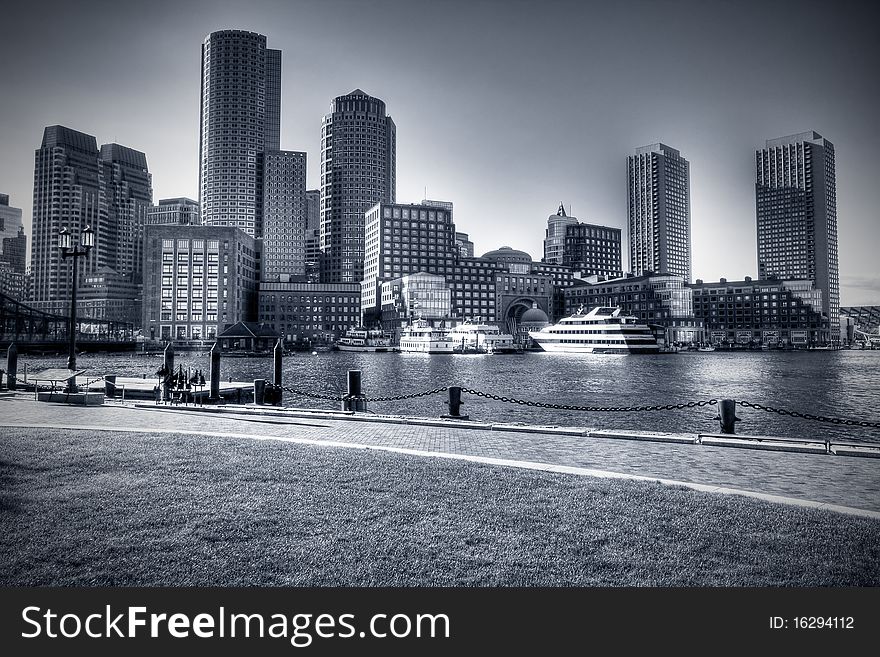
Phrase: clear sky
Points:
(503, 108)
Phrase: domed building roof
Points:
(534, 316)
(507, 254)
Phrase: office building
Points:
(771, 312)
(358, 156)
(13, 250)
(76, 185)
(284, 215)
(796, 204)
(128, 191)
(240, 119)
(307, 314)
(313, 209)
(464, 245)
(659, 211)
(68, 193)
(402, 239)
(199, 280)
(554, 235)
(177, 211)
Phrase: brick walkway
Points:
(833, 480)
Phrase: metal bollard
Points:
(110, 386)
(259, 391)
(727, 415)
(455, 404)
(215, 373)
(11, 366)
(277, 355)
(354, 400)
(168, 367)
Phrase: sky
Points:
(505, 108)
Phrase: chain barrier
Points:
(345, 397)
(559, 407)
(593, 409)
(810, 416)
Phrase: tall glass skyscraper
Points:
(796, 208)
(240, 119)
(659, 211)
(358, 167)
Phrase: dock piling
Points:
(11, 366)
(277, 355)
(215, 373)
(259, 391)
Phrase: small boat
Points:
(707, 347)
(603, 330)
(364, 339)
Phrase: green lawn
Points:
(78, 508)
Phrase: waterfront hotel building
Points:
(772, 312)
(659, 211)
(796, 208)
(240, 119)
(197, 280)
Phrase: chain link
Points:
(810, 416)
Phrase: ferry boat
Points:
(603, 330)
(421, 337)
(478, 338)
(363, 339)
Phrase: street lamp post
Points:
(75, 251)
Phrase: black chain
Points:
(593, 409)
(312, 395)
(435, 391)
(810, 416)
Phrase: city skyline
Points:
(523, 106)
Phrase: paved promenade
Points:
(829, 480)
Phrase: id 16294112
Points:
(812, 623)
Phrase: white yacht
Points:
(478, 338)
(603, 330)
(363, 339)
(421, 337)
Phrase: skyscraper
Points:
(240, 119)
(68, 193)
(358, 167)
(284, 215)
(77, 185)
(796, 208)
(659, 211)
(313, 208)
(554, 236)
(13, 250)
(128, 190)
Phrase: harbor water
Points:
(844, 384)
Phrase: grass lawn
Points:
(78, 508)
